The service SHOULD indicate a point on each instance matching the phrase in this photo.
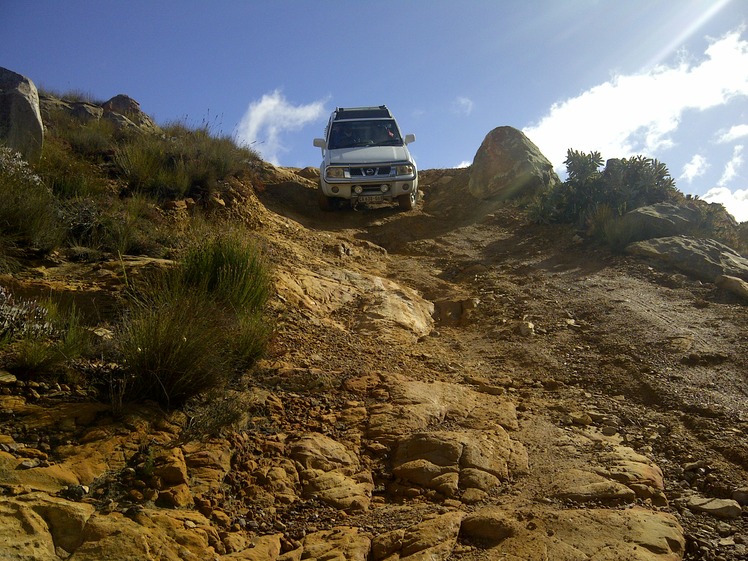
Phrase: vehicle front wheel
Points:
(408, 201)
(326, 203)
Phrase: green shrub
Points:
(193, 327)
(249, 339)
(44, 335)
(95, 139)
(29, 212)
(127, 226)
(149, 166)
(229, 268)
(172, 346)
(181, 162)
(623, 185)
(67, 174)
(618, 232)
(133, 226)
(540, 209)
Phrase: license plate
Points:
(370, 199)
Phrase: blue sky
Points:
(666, 79)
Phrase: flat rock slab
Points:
(633, 534)
(342, 542)
(384, 309)
(704, 259)
(407, 406)
(721, 508)
(584, 487)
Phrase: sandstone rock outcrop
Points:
(508, 165)
(21, 125)
(703, 259)
(121, 110)
(662, 220)
(125, 112)
(387, 309)
(733, 284)
(634, 534)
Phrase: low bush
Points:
(229, 268)
(68, 175)
(192, 328)
(99, 189)
(29, 212)
(182, 162)
(42, 335)
(172, 347)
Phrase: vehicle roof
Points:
(348, 113)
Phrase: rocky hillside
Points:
(452, 383)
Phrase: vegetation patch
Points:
(194, 327)
(100, 191)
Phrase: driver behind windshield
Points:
(348, 135)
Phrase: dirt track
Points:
(662, 355)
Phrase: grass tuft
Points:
(194, 327)
(28, 209)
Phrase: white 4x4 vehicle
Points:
(366, 160)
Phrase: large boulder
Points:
(703, 259)
(121, 110)
(508, 165)
(125, 112)
(662, 219)
(21, 125)
(83, 111)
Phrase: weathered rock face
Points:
(329, 471)
(385, 306)
(638, 534)
(703, 259)
(733, 284)
(509, 165)
(663, 219)
(21, 125)
(123, 111)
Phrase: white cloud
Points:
(736, 202)
(695, 168)
(263, 125)
(638, 113)
(738, 131)
(464, 164)
(463, 105)
(731, 168)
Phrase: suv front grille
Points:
(383, 171)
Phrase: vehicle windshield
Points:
(352, 134)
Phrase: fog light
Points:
(358, 189)
(384, 188)
(406, 187)
(335, 190)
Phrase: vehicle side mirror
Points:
(320, 143)
(410, 138)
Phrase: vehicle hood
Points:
(368, 155)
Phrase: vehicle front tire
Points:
(408, 201)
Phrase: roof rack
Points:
(345, 113)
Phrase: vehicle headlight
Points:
(405, 170)
(335, 173)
